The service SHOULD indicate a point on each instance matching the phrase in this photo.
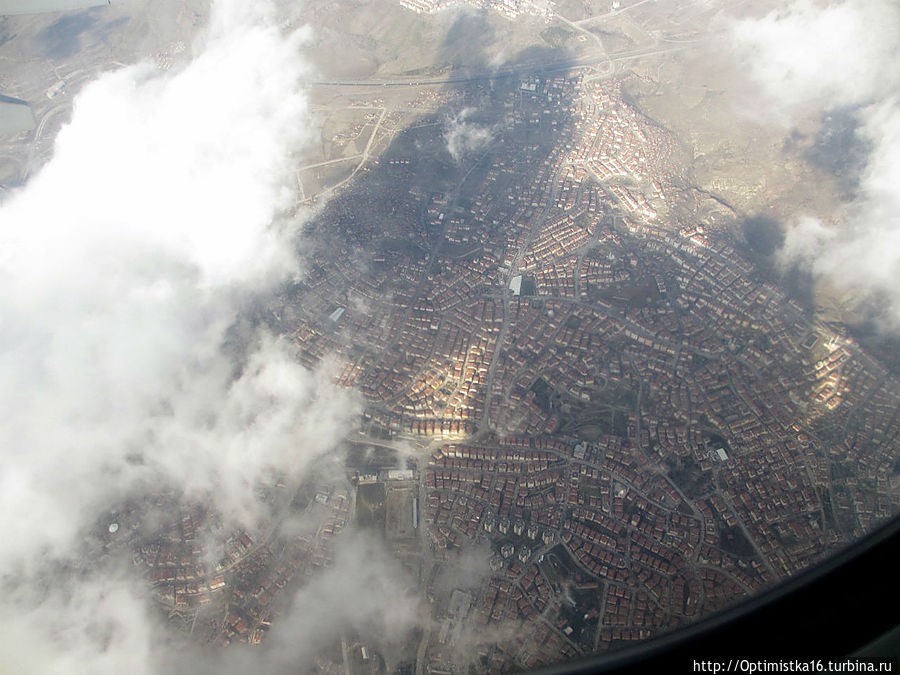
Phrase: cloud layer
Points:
(817, 56)
(126, 265)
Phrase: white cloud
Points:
(366, 592)
(101, 624)
(365, 595)
(464, 137)
(811, 53)
(813, 56)
(124, 264)
(126, 259)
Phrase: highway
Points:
(511, 71)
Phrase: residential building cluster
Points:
(655, 418)
(539, 500)
(228, 595)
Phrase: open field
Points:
(398, 523)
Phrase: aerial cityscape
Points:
(416, 336)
